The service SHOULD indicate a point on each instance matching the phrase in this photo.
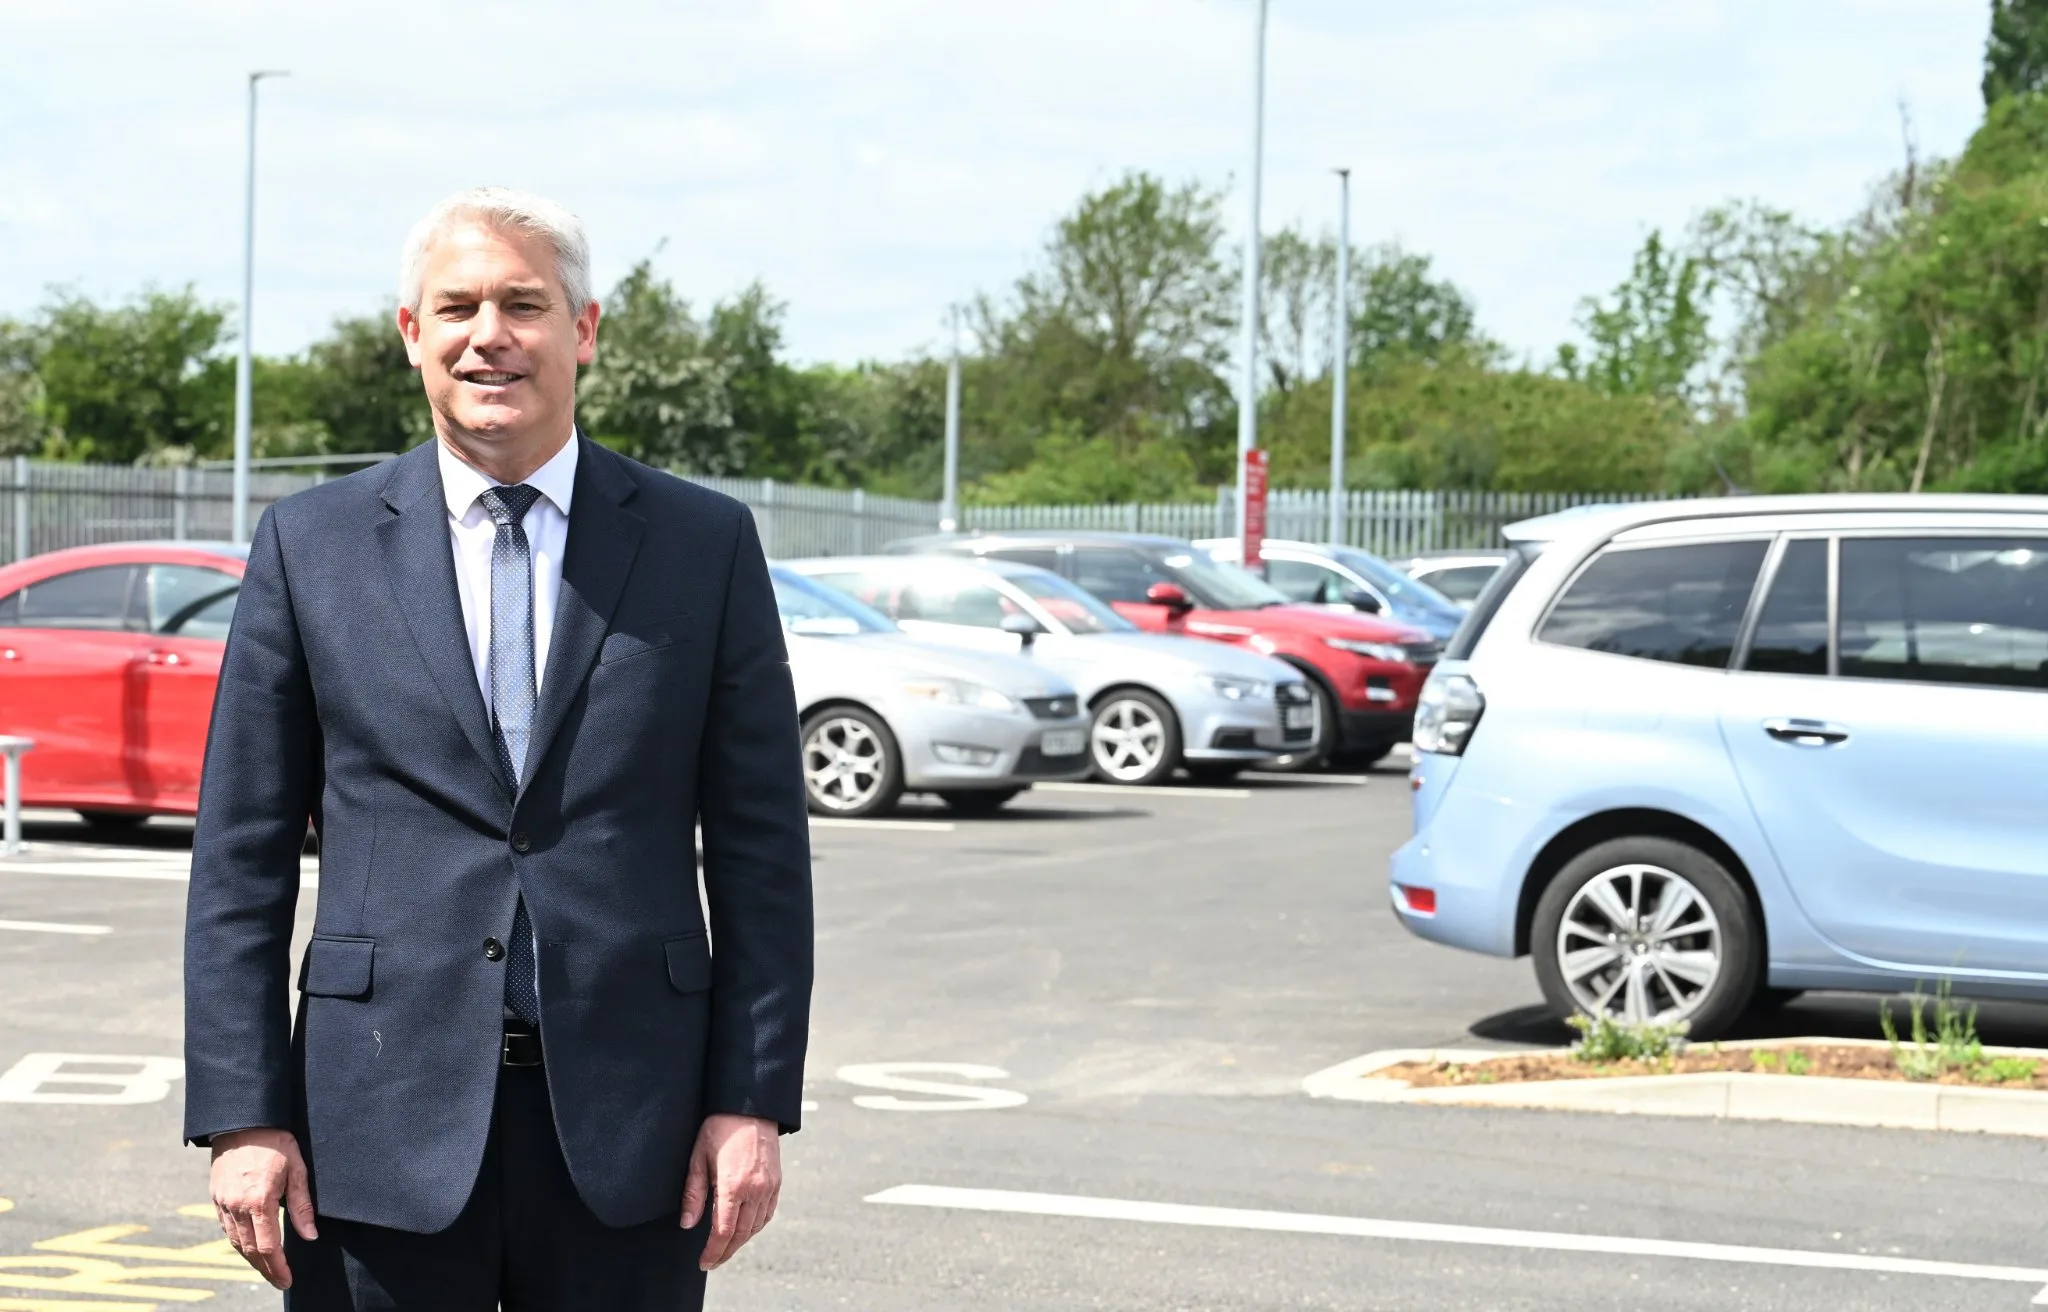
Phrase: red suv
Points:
(1365, 672)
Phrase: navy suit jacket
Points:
(348, 694)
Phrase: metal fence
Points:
(48, 505)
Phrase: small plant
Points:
(1952, 1045)
(1797, 1063)
(2003, 1070)
(1605, 1039)
(1764, 1060)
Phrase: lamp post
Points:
(1248, 402)
(243, 362)
(949, 503)
(1340, 358)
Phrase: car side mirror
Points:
(1170, 595)
(1026, 629)
(1360, 599)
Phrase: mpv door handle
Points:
(1805, 733)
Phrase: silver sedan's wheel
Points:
(1648, 931)
(1639, 943)
(851, 766)
(1134, 739)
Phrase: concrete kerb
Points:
(1731, 1095)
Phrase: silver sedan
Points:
(1156, 702)
(884, 714)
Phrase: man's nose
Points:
(488, 329)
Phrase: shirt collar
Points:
(462, 483)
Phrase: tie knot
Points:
(508, 505)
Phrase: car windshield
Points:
(1078, 611)
(1218, 586)
(797, 598)
(1396, 585)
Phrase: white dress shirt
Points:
(471, 533)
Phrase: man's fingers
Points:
(298, 1201)
(696, 1185)
(269, 1245)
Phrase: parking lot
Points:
(1057, 1060)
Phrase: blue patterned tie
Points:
(512, 699)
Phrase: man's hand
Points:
(739, 1157)
(253, 1171)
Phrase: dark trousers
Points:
(525, 1242)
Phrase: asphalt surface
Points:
(1128, 989)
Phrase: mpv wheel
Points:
(1134, 739)
(1647, 930)
(851, 765)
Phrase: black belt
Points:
(521, 1046)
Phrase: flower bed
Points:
(1840, 1061)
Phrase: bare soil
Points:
(1853, 1063)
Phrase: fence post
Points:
(767, 517)
(21, 541)
(181, 487)
(860, 522)
(1131, 517)
(1226, 512)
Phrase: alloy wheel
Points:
(1639, 943)
(1128, 740)
(845, 763)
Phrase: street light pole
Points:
(949, 504)
(1248, 401)
(243, 362)
(1340, 358)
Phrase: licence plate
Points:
(1298, 717)
(1064, 742)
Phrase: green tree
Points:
(657, 390)
(122, 383)
(23, 426)
(1403, 309)
(2016, 52)
(1652, 335)
(360, 388)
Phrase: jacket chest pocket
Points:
(644, 637)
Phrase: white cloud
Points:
(874, 159)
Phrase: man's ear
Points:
(586, 334)
(409, 329)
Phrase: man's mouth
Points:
(488, 377)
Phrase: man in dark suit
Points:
(509, 676)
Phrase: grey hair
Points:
(517, 211)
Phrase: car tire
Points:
(1769, 999)
(1214, 774)
(977, 801)
(115, 822)
(852, 766)
(1133, 738)
(1329, 728)
(1701, 965)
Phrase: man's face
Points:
(495, 340)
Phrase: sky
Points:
(873, 161)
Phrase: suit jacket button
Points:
(521, 843)
(493, 950)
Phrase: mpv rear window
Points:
(1682, 604)
(1491, 596)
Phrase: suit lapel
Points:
(421, 563)
(604, 536)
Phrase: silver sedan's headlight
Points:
(1236, 690)
(1379, 651)
(958, 692)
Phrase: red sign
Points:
(1253, 541)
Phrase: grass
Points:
(1951, 1045)
(1604, 1039)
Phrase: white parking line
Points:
(51, 927)
(1308, 1223)
(929, 826)
(1274, 777)
(1144, 790)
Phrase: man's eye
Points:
(457, 311)
(526, 307)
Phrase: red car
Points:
(108, 659)
(1365, 672)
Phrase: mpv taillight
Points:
(1447, 712)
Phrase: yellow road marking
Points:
(97, 1262)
